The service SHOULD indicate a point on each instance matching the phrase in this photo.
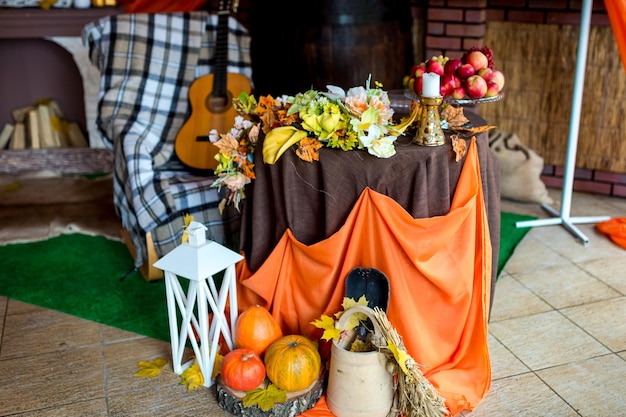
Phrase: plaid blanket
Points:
(147, 64)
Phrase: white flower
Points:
(214, 136)
(377, 144)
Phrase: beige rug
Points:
(40, 205)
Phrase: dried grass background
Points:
(539, 63)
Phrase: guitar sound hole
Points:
(218, 103)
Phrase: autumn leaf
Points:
(192, 377)
(328, 324)
(400, 356)
(187, 219)
(264, 398)
(351, 302)
(459, 146)
(150, 369)
(477, 129)
(454, 116)
(356, 318)
(217, 365)
(308, 149)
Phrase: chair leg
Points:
(148, 271)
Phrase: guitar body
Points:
(208, 111)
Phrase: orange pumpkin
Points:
(256, 329)
(292, 362)
(242, 370)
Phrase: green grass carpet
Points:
(510, 236)
(81, 275)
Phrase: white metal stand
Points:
(563, 217)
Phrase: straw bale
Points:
(539, 62)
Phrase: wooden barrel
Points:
(348, 40)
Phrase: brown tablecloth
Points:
(314, 199)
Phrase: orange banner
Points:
(439, 270)
(616, 10)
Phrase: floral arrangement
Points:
(360, 118)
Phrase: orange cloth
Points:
(615, 229)
(616, 9)
(439, 270)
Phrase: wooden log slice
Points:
(297, 402)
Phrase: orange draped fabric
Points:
(439, 270)
(615, 229)
(616, 10)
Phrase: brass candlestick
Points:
(429, 132)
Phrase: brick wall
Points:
(452, 26)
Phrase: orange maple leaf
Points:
(308, 149)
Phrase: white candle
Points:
(430, 84)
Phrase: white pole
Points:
(572, 141)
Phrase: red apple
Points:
(451, 66)
(418, 70)
(492, 89)
(434, 66)
(465, 71)
(417, 86)
(458, 93)
(486, 73)
(450, 82)
(477, 59)
(475, 86)
(498, 78)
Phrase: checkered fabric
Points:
(147, 64)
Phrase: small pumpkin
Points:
(256, 329)
(242, 370)
(292, 363)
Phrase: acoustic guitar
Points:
(211, 99)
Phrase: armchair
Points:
(147, 64)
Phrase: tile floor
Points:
(557, 341)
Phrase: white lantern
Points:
(198, 260)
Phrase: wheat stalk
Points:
(414, 395)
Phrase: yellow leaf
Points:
(217, 365)
(150, 369)
(188, 219)
(328, 324)
(355, 319)
(192, 377)
(264, 398)
(400, 355)
(351, 302)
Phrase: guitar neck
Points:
(221, 54)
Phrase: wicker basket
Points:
(34, 3)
